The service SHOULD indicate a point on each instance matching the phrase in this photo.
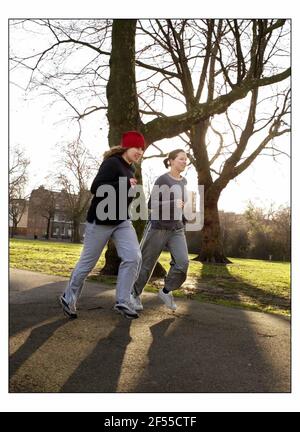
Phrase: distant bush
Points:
(258, 233)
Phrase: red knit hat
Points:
(133, 139)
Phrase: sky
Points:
(32, 126)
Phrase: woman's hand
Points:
(179, 203)
(133, 181)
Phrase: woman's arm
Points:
(156, 199)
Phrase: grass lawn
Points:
(252, 284)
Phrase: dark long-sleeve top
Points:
(158, 203)
(109, 173)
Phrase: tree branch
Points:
(161, 70)
(174, 125)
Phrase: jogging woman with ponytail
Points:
(100, 227)
(166, 229)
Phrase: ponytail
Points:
(171, 156)
(166, 162)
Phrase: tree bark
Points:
(211, 250)
(112, 261)
(48, 228)
(210, 236)
(123, 111)
(13, 230)
(75, 232)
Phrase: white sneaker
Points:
(126, 310)
(168, 299)
(68, 309)
(136, 302)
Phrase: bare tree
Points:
(227, 61)
(44, 205)
(76, 168)
(18, 177)
(17, 207)
(252, 69)
(18, 172)
(236, 57)
(68, 64)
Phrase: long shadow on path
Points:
(38, 336)
(200, 348)
(100, 371)
(218, 349)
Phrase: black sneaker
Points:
(67, 309)
(126, 310)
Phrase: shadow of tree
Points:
(217, 353)
(216, 282)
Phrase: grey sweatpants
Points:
(96, 237)
(154, 241)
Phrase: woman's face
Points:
(134, 154)
(180, 162)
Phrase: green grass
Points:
(251, 284)
(48, 257)
(256, 284)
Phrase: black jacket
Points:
(109, 172)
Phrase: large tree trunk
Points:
(211, 248)
(76, 232)
(13, 230)
(112, 261)
(210, 237)
(48, 229)
(123, 111)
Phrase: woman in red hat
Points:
(108, 218)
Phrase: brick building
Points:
(46, 209)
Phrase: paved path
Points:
(200, 348)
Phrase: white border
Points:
(151, 402)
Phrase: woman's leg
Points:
(128, 248)
(152, 247)
(180, 260)
(96, 237)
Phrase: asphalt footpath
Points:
(200, 348)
